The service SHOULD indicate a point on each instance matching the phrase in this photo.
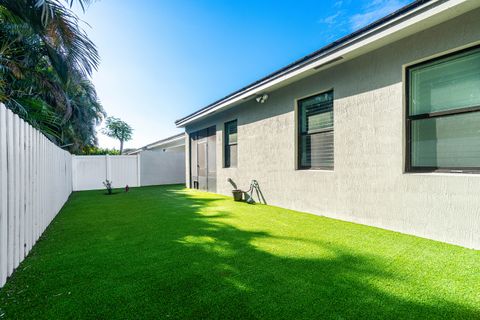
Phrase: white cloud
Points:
(330, 19)
(374, 10)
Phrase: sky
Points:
(162, 60)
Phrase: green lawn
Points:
(166, 252)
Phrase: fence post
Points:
(74, 174)
(139, 167)
(10, 187)
(3, 197)
(108, 166)
(21, 182)
(28, 234)
(16, 182)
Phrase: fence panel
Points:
(123, 171)
(35, 182)
(89, 172)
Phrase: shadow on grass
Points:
(162, 252)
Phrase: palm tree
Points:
(46, 60)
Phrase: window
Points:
(443, 114)
(315, 132)
(230, 144)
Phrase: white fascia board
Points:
(157, 145)
(132, 153)
(412, 22)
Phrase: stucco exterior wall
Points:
(368, 184)
(159, 167)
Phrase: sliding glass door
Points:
(203, 171)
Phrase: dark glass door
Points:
(212, 159)
(203, 164)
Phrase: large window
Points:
(315, 132)
(443, 114)
(230, 144)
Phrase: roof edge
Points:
(310, 58)
(159, 142)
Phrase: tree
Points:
(46, 60)
(117, 129)
(97, 151)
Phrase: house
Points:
(161, 162)
(381, 127)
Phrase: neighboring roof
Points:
(327, 51)
(158, 144)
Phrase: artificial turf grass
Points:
(166, 252)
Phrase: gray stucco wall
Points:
(159, 167)
(368, 184)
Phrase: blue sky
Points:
(162, 60)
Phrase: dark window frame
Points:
(227, 162)
(319, 131)
(409, 168)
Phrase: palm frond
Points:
(45, 63)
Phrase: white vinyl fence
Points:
(89, 172)
(151, 167)
(37, 177)
(35, 182)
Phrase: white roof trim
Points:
(158, 144)
(374, 38)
